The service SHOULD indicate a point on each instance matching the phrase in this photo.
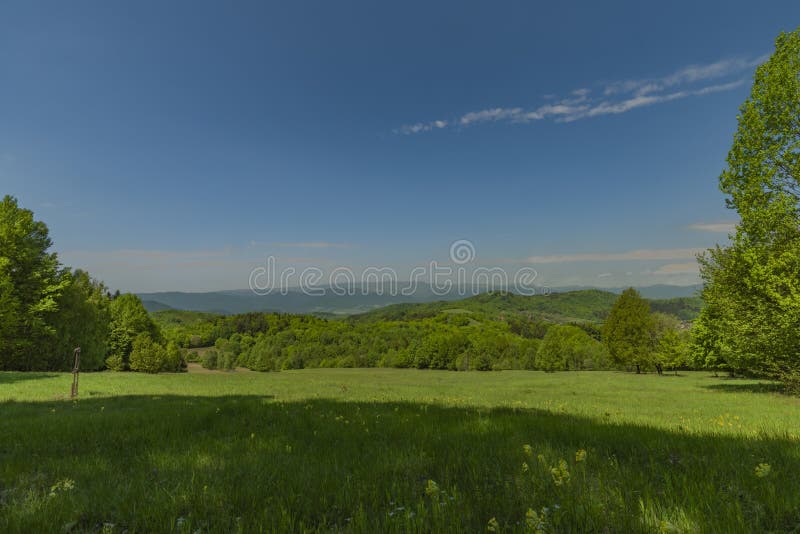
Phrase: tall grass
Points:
(397, 451)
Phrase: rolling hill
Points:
(363, 301)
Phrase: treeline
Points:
(453, 339)
(447, 341)
(47, 310)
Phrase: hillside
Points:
(590, 305)
(361, 301)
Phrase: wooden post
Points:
(75, 371)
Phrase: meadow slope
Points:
(365, 450)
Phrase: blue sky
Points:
(173, 146)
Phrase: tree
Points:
(752, 287)
(129, 319)
(627, 332)
(32, 282)
(670, 343)
(9, 313)
(174, 361)
(82, 321)
(567, 347)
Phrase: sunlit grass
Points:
(392, 450)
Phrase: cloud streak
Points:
(314, 244)
(611, 98)
(717, 227)
(632, 255)
(677, 268)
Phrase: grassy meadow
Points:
(369, 450)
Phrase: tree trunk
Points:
(638, 370)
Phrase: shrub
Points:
(173, 361)
(210, 358)
(115, 362)
(147, 356)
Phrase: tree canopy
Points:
(751, 322)
(628, 331)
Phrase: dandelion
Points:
(528, 450)
(763, 470)
(432, 489)
(580, 456)
(493, 525)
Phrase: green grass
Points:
(354, 450)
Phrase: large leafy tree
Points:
(31, 283)
(628, 331)
(82, 321)
(751, 321)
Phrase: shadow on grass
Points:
(732, 386)
(251, 463)
(10, 377)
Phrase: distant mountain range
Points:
(361, 301)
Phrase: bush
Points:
(226, 361)
(115, 362)
(174, 361)
(210, 358)
(147, 356)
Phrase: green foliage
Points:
(174, 361)
(684, 308)
(32, 283)
(116, 363)
(129, 320)
(147, 355)
(751, 322)
(209, 359)
(526, 313)
(671, 342)
(628, 331)
(189, 329)
(569, 347)
(83, 320)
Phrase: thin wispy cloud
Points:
(686, 75)
(314, 244)
(610, 98)
(136, 254)
(632, 255)
(718, 227)
(421, 127)
(677, 268)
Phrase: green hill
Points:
(590, 305)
